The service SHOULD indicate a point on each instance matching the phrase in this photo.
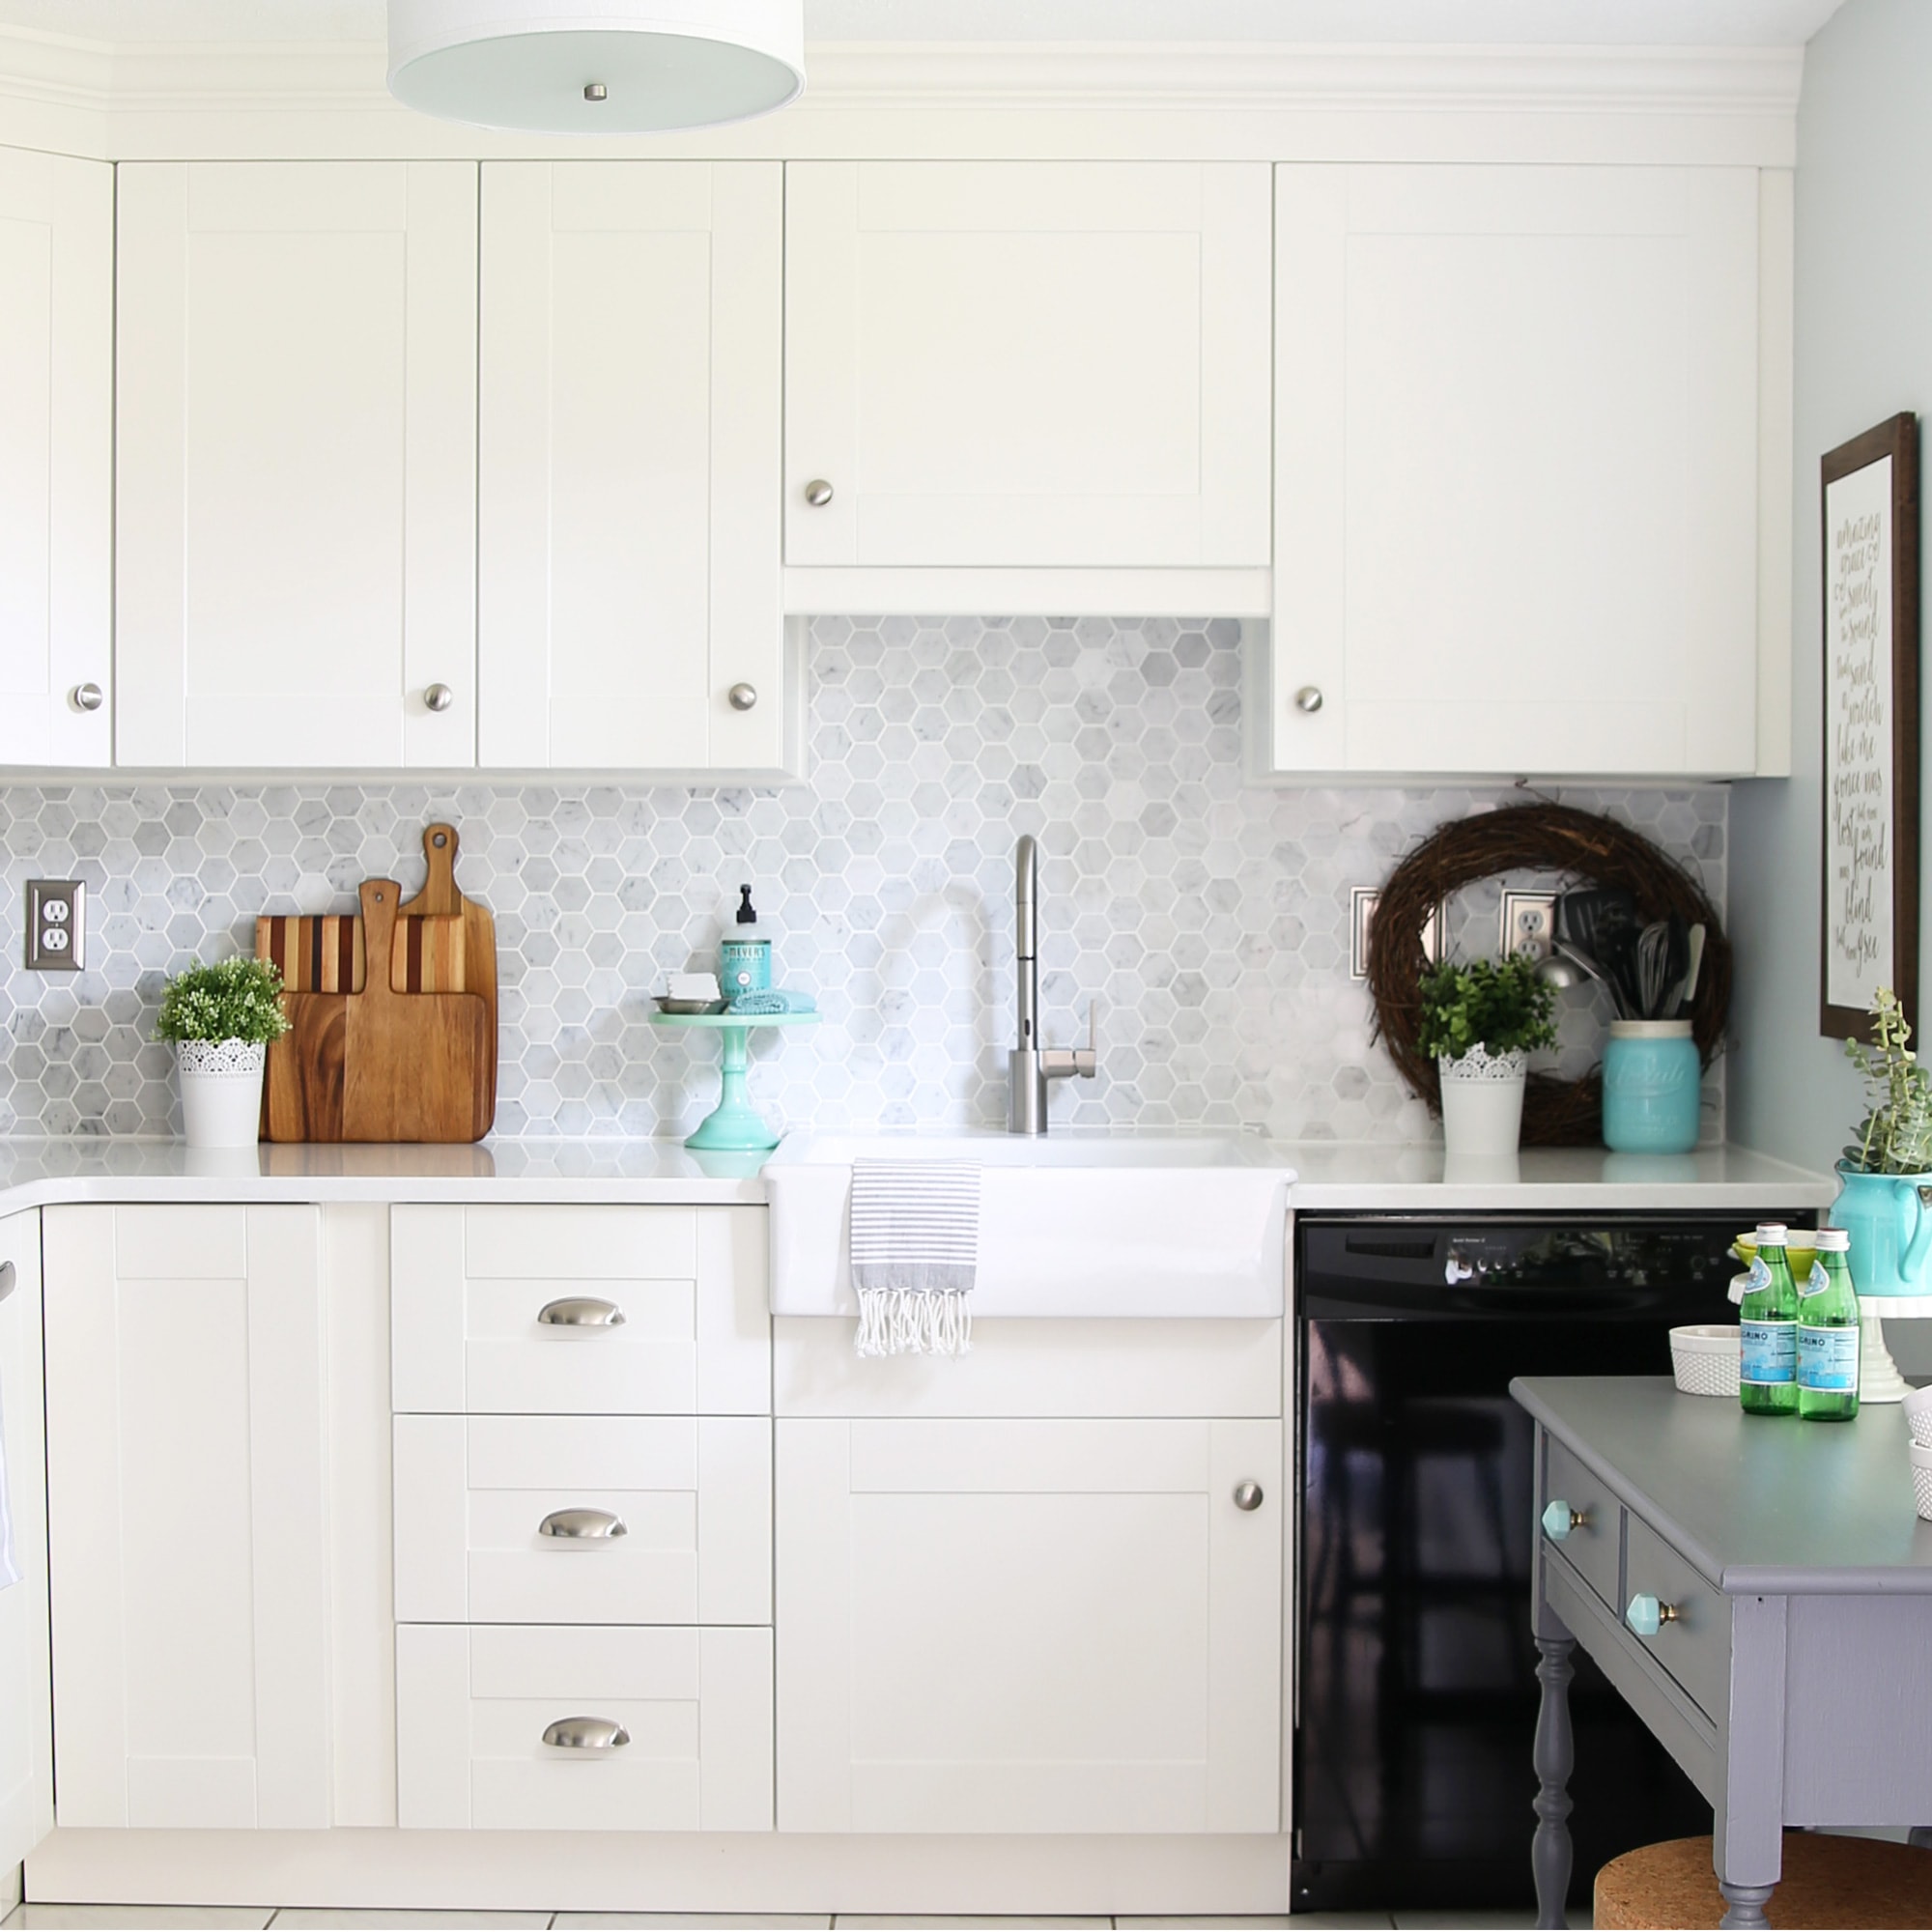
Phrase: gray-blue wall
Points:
(1864, 353)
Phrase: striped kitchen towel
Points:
(914, 1251)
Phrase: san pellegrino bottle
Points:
(1828, 1333)
(1768, 1324)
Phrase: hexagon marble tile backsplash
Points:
(1208, 918)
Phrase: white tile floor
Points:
(168, 1918)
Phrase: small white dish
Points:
(1918, 1407)
(1706, 1359)
(1922, 1478)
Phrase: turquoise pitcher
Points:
(1890, 1231)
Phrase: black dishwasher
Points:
(1415, 1676)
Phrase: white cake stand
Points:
(1879, 1380)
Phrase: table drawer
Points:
(1595, 1537)
(580, 1310)
(1694, 1645)
(692, 1496)
(472, 1706)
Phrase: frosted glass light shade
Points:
(533, 65)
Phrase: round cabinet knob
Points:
(1559, 1520)
(1247, 1496)
(1308, 699)
(86, 698)
(585, 1734)
(743, 696)
(1647, 1616)
(595, 90)
(818, 492)
(439, 697)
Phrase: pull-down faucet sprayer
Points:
(1030, 1066)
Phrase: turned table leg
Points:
(1555, 1753)
(1746, 1904)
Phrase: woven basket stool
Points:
(1831, 1882)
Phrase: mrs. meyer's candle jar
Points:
(1651, 1081)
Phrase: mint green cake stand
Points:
(735, 1126)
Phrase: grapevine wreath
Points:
(1545, 837)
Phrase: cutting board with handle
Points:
(440, 904)
(382, 1065)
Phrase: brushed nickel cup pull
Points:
(439, 697)
(581, 1311)
(586, 1526)
(1308, 699)
(743, 696)
(10, 1279)
(586, 1734)
(818, 492)
(1247, 1496)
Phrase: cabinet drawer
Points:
(693, 1499)
(1696, 1645)
(472, 1706)
(580, 1310)
(1592, 1544)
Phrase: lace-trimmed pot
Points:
(1481, 1102)
(222, 1091)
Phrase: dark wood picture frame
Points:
(1894, 818)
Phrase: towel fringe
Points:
(912, 1322)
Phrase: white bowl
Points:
(1922, 1478)
(1706, 1359)
(1918, 1407)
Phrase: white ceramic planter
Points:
(222, 1091)
(1481, 1104)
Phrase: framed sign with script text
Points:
(1871, 725)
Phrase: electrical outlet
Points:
(56, 926)
(1529, 925)
(1362, 903)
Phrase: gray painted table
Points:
(1790, 1673)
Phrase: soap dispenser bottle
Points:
(745, 958)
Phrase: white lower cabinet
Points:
(26, 1692)
(583, 1519)
(516, 1729)
(1028, 1626)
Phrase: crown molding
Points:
(161, 99)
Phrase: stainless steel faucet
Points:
(1031, 1065)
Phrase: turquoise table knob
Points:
(1559, 1520)
(1647, 1616)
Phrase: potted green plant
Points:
(1885, 1171)
(220, 1019)
(1481, 1022)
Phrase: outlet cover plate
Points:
(56, 926)
(1362, 903)
(1528, 925)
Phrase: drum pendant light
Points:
(596, 67)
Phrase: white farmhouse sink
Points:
(1071, 1224)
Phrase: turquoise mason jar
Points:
(1651, 1080)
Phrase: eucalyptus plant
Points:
(1500, 1005)
(1896, 1134)
(234, 999)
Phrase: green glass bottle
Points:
(1828, 1333)
(1768, 1370)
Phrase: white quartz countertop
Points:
(1363, 1176)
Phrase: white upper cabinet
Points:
(632, 357)
(1017, 364)
(56, 459)
(296, 492)
(1516, 471)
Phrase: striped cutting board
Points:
(323, 954)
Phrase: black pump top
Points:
(748, 913)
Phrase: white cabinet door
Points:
(1027, 1627)
(1515, 489)
(56, 457)
(185, 1365)
(296, 486)
(630, 418)
(26, 1681)
(1015, 363)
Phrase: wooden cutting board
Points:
(475, 952)
(380, 1065)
